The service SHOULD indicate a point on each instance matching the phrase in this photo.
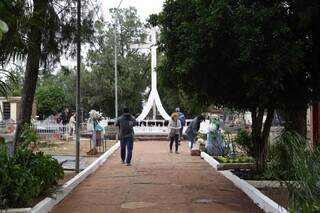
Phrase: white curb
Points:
(48, 203)
(264, 202)
(215, 164)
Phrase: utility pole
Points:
(116, 63)
(78, 111)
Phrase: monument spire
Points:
(154, 101)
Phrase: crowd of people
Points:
(126, 122)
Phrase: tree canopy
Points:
(238, 53)
(247, 55)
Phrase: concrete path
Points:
(157, 182)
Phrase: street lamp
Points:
(116, 63)
(78, 86)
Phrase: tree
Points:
(304, 21)
(40, 31)
(50, 99)
(4, 87)
(133, 66)
(245, 55)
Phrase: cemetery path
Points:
(157, 182)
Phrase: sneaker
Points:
(170, 151)
(128, 164)
(123, 162)
(177, 152)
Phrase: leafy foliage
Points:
(235, 159)
(299, 168)
(50, 98)
(246, 55)
(58, 29)
(242, 59)
(26, 175)
(244, 139)
(133, 66)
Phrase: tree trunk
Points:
(32, 67)
(260, 135)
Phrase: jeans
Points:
(191, 138)
(181, 133)
(126, 145)
(176, 139)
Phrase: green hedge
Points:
(27, 175)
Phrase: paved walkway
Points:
(157, 182)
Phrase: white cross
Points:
(154, 101)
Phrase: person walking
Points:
(182, 119)
(193, 128)
(174, 131)
(126, 122)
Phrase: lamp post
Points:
(116, 63)
(78, 86)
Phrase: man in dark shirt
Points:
(65, 117)
(126, 122)
(193, 128)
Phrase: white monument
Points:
(154, 101)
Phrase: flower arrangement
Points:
(95, 115)
(200, 141)
(215, 123)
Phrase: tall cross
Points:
(154, 101)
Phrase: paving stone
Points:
(157, 182)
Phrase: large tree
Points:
(39, 32)
(244, 54)
(133, 66)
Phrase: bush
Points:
(243, 138)
(26, 175)
(299, 168)
(235, 159)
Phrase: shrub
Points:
(299, 167)
(243, 138)
(26, 175)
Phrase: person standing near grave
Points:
(126, 122)
(72, 123)
(65, 120)
(65, 116)
(174, 131)
(193, 128)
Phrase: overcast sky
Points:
(144, 7)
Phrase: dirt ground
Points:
(62, 147)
